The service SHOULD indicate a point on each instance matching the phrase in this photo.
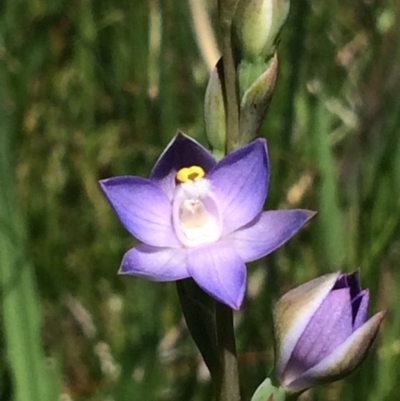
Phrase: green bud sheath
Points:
(257, 97)
(266, 391)
(214, 112)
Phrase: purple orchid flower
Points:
(200, 218)
(321, 330)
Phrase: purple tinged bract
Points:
(200, 218)
(322, 331)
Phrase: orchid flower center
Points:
(187, 174)
(196, 217)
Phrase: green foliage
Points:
(33, 376)
(96, 89)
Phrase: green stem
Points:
(227, 386)
(227, 380)
(226, 11)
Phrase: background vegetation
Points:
(92, 89)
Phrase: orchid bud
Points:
(257, 24)
(214, 112)
(321, 330)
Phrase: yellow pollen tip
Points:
(192, 173)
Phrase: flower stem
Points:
(226, 11)
(227, 386)
(227, 380)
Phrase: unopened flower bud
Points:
(257, 24)
(321, 330)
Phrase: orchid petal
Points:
(182, 151)
(293, 312)
(330, 326)
(219, 271)
(143, 208)
(156, 264)
(240, 183)
(362, 310)
(343, 360)
(351, 281)
(267, 232)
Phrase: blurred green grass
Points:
(96, 89)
